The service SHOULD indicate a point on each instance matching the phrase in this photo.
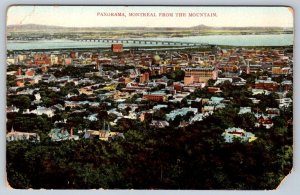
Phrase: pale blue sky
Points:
(86, 16)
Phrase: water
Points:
(234, 40)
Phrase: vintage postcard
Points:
(149, 97)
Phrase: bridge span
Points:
(148, 42)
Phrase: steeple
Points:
(104, 128)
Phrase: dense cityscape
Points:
(149, 97)
(188, 118)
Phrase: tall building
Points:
(116, 48)
(73, 54)
(188, 80)
(40, 59)
(144, 77)
(200, 74)
(53, 59)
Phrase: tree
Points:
(289, 95)
(245, 121)
(210, 82)
(10, 81)
(21, 101)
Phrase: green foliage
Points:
(177, 75)
(194, 157)
(21, 101)
(267, 101)
(10, 81)
(74, 71)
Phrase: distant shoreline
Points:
(144, 48)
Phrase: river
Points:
(234, 40)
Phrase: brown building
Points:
(266, 85)
(280, 70)
(95, 57)
(178, 86)
(144, 77)
(40, 59)
(188, 80)
(155, 97)
(213, 89)
(124, 80)
(276, 70)
(201, 74)
(68, 61)
(20, 82)
(30, 73)
(19, 72)
(117, 48)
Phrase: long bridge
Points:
(148, 42)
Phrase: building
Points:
(17, 136)
(272, 112)
(180, 112)
(124, 80)
(197, 103)
(30, 73)
(263, 120)
(159, 124)
(117, 48)
(21, 58)
(40, 59)
(287, 85)
(188, 80)
(73, 54)
(86, 91)
(68, 61)
(20, 82)
(103, 134)
(266, 85)
(201, 74)
(197, 117)
(11, 60)
(74, 104)
(237, 133)
(53, 59)
(178, 86)
(146, 116)
(58, 134)
(144, 77)
(40, 111)
(244, 110)
(214, 89)
(158, 96)
(284, 102)
(12, 108)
